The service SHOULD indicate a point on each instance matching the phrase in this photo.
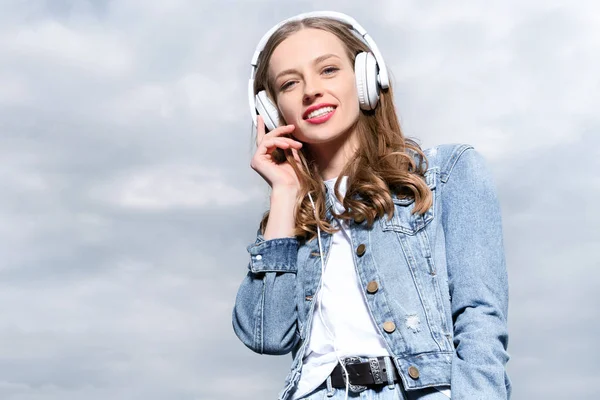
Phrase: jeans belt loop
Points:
(390, 372)
(330, 389)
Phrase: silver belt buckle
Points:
(376, 370)
(353, 388)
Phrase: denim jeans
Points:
(385, 392)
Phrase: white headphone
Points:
(369, 68)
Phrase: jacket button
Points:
(413, 372)
(389, 326)
(372, 287)
(360, 250)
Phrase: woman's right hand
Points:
(277, 175)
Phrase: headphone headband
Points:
(382, 78)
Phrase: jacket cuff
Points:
(273, 255)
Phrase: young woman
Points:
(379, 266)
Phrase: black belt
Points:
(363, 374)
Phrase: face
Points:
(314, 86)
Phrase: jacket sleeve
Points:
(264, 315)
(477, 278)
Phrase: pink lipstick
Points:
(321, 118)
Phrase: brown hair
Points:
(385, 161)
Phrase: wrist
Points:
(284, 191)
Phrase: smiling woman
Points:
(380, 266)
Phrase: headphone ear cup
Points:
(365, 71)
(267, 110)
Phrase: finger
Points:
(260, 129)
(282, 130)
(294, 143)
(269, 142)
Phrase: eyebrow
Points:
(315, 61)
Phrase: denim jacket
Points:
(441, 302)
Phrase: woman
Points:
(377, 261)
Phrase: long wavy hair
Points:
(385, 160)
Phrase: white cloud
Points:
(163, 187)
(195, 97)
(94, 49)
(491, 74)
(15, 90)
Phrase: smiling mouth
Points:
(320, 113)
(320, 116)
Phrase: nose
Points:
(312, 90)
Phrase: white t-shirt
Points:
(344, 311)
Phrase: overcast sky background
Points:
(127, 199)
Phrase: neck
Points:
(331, 157)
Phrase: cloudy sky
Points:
(127, 197)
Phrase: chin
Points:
(325, 137)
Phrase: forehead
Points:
(302, 47)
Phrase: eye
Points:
(286, 85)
(330, 70)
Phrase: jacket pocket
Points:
(404, 220)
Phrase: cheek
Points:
(286, 111)
(349, 91)
(351, 99)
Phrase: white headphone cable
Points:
(320, 296)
